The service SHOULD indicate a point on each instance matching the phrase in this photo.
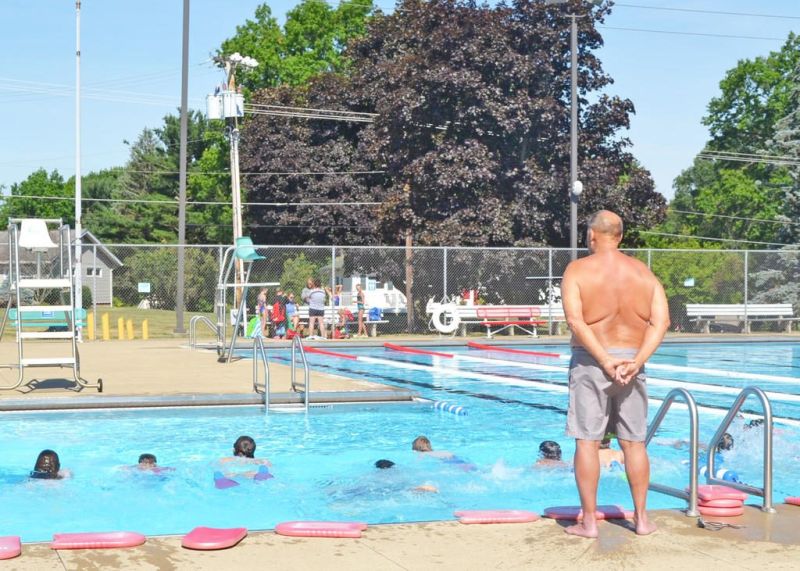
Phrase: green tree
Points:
(311, 42)
(744, 118)
(295, 273)
(40, 184)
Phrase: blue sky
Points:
(131, 72)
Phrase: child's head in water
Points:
(47, 465)
(384, 464)
(147, 461)
(244, 447)
(550, 450)
(725, 443)
(421, 444)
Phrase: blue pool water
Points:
(323, 462)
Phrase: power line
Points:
(733, 157)
(690, 237)
(715, 12)
(285, 173)
(762, 220)
(702, 34)
(193, 203)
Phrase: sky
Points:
(668, 62)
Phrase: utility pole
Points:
(78, 271)
(179, 293)
(573, 138)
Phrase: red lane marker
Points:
(414, 350)
(475, 345)
(330, 353)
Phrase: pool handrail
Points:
(260, 352)
(297, 346)
(691, 495)
(766, 491)
(193, 328)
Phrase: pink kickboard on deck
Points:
(10, 547)
(103, 540)
(320, 528)
(576, 513)
(495, 516)
(795, 501)
(714, 492)
(210, 538)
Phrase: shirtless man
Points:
(618, 314)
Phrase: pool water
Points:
(323, 461)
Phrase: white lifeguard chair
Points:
(55, 324)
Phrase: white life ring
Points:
(445, 318)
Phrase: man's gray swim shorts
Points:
(598, 405)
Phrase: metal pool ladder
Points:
(691, 495)
(260, 354)
(766, 491)
(297, 347)
(193, 328)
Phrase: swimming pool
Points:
(323, 462)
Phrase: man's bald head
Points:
(606, 222)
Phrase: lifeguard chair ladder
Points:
(244, 252)
(33, 235)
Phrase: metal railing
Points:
(259, 352)
(297, 347)
(691, 495)
(766, 491)
(193, 328)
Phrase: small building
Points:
(97, 266)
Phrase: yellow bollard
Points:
(145, 329)
(121, 329)
(90, 326)
(129, 325)
(106, 327)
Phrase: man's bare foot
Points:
(644, 527)
(582, 530)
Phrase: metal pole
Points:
(78, 205)
(746, 293)
(179, 292)
(573, 162)
(550, 291)
(444, 273)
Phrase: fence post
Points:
(94, 285)
(333, 283)
(444, 272)
(550, 291)
(746, 323)
(649, 258)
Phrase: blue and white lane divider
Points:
(445, 406)
(530, 383)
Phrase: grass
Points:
(161, 322)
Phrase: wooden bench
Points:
(740, 314)
(509, 317)
(332, 318)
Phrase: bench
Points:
(332, 318)
(706, 314)
(509, 317)
(468, 315)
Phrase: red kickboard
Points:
(714, 492)
(210, 538)
(495, 516)
(350, 529)
(721, 512)
(795, 501)
(10, 547)
(103, 540)
(575, 512)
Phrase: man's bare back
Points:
(616, 295)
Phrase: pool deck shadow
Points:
(769, 541)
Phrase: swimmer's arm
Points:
(573, 311)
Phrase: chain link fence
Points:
(401, 282)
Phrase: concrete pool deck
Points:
(166, 367)
(767, 542)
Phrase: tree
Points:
(310, 43)
(754, 96)
(40, 184)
